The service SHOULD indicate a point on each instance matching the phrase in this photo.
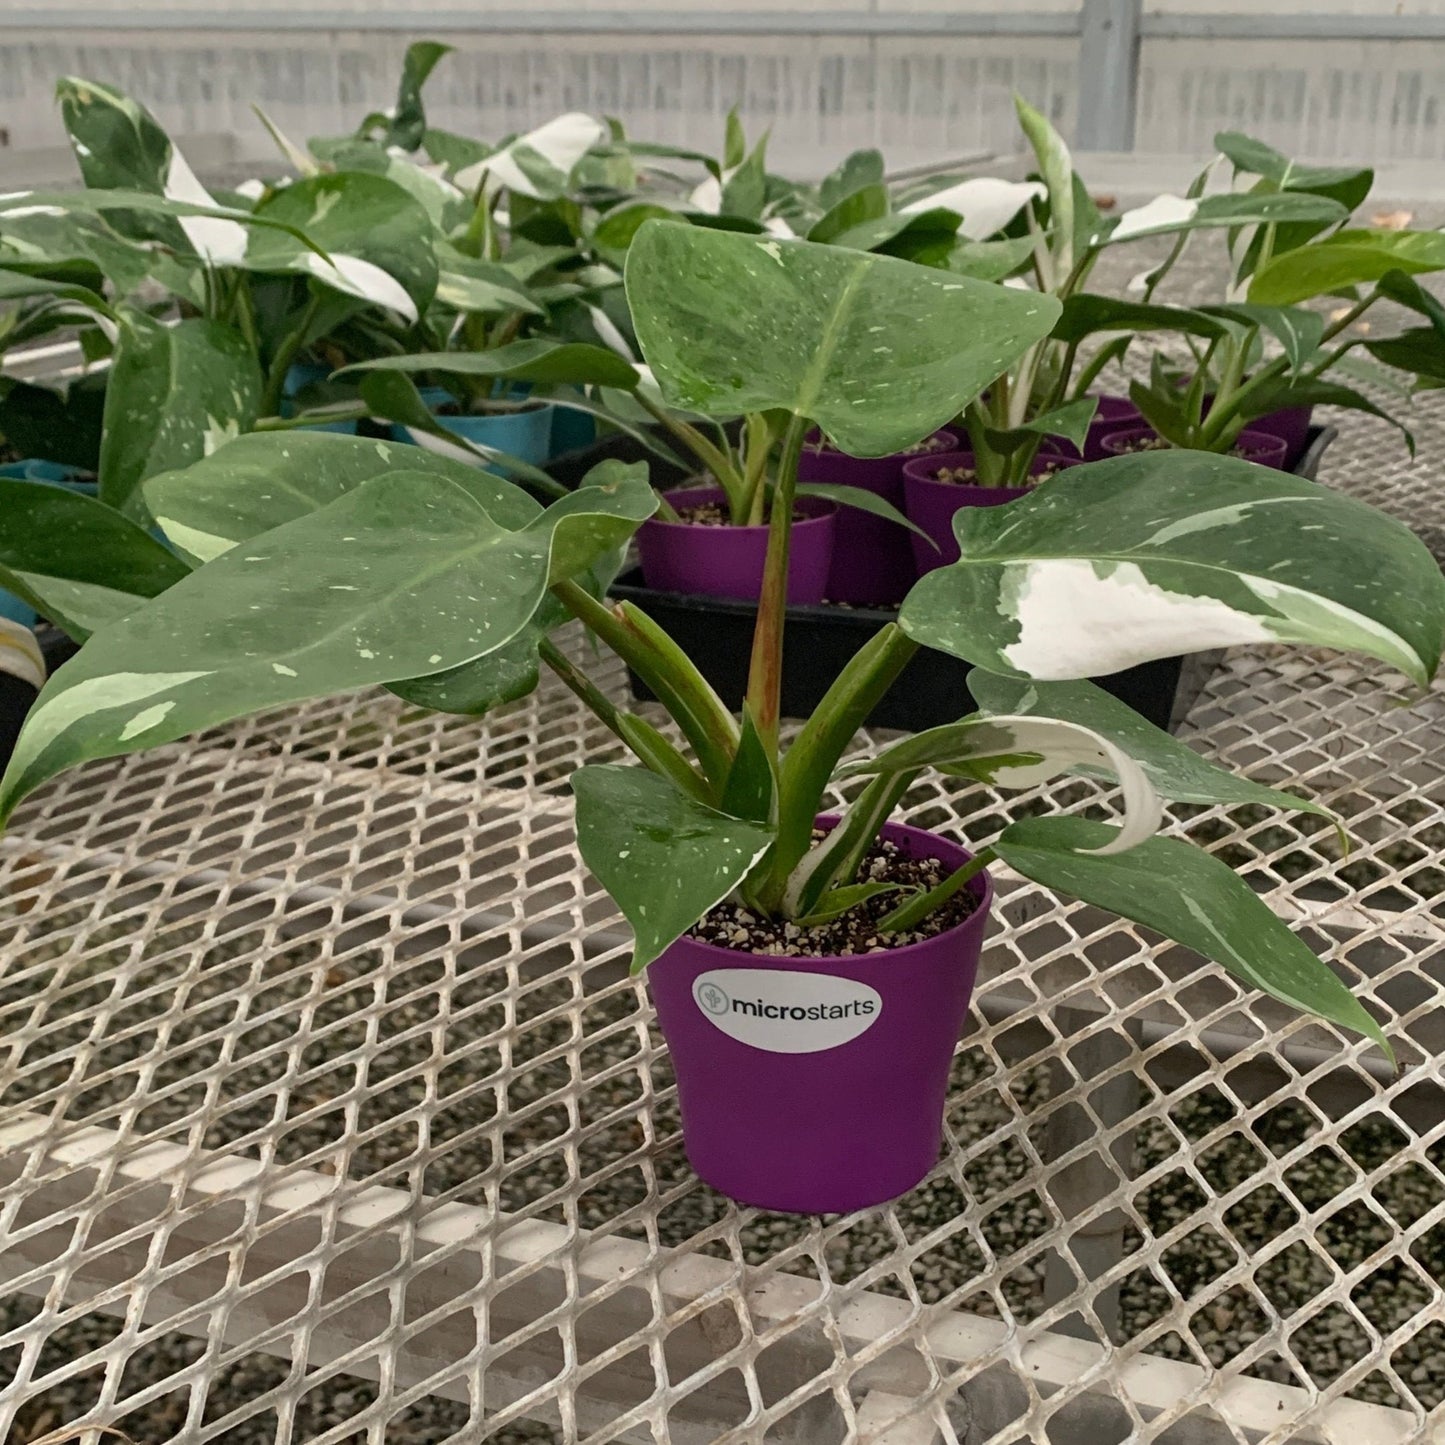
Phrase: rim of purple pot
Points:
(815, 510)
(815, 442)
(915, 471)
(1257, 443)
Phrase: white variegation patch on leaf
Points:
(1169, 552)
(1162, 212)
(1022, 751)
(539, 163)
(986, 204)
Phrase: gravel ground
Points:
(1222, 1327)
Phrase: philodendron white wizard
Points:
(360, 563)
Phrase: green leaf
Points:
(1071, 421)
(928, 238)
(854, 172)
(1348, 258)
(176, 393)
(868, 204)
(838, 901)
(552, 363)
(1298, 331)
(1169, 215)
(1159, 553)
(1398, 287)
(327, 603)
(1176, 770)
(745, 186)
(861, 500)
(988, 260)
(735, 142)
(752, 784)
(378, 237)
(265, 479)
(1258, 159)
(1420, 351)
(407, 122)
(664, 857)
(1320, 393)
(81, 563)
(57, 426)
(879, 352)
(1188, 896)
(1056, 167)
(116, 141)
(1086, 315)
(74, 248)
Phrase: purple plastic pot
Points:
(1291, 425)
(872, 561)
(932, 504)
(1255, 446)
(819, 1115)
(728, 561)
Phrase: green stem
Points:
(647, 744)
(646, 648)
(286, 353)
(314, 418)
(809, 763)
(765, 669)
(719, 466)
(917, 908)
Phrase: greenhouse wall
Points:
(871, 74)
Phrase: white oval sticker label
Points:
(786, 1013)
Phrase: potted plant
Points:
(810, 968)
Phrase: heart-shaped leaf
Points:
(327, 603)
(1159, 553)
(663, 857)
(1190, 896)
(1256, 158)
(879, 352)
(176, 393)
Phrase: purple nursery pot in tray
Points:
(725, 561)
(932, 504)
(1255, 446)
(872, 561)
(1291, 425)
(817, 1085)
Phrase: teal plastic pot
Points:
(524, 434)
(52, 474)
(571, 430)
(300, 376)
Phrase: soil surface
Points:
(8, 454)
(1158, 444)
(928, 444)
(715, 514)
(968, 477)
(729, 925)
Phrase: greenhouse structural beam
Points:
(555, 21)
(1108, 75)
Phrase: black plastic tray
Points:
(817, 641)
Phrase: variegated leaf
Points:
(1166, 552)
(878, 351)
(1021, 752)
(327, 603)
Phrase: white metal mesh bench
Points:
(326, 1102)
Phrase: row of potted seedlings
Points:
(810, 959)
